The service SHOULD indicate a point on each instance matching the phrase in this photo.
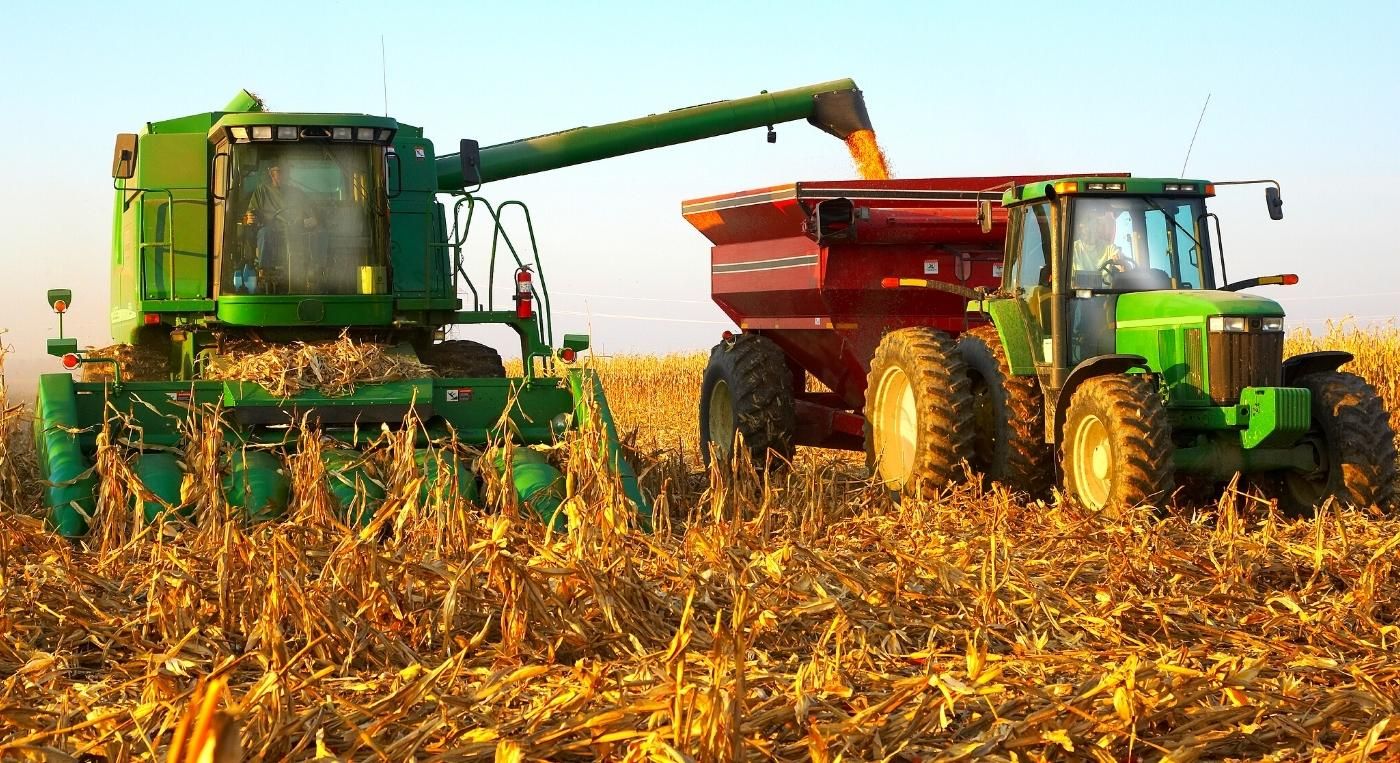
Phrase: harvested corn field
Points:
(806, 617)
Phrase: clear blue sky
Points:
(1306, 93)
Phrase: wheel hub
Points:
(896, 427)
(721, 422)
(1093, 462)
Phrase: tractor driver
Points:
(1095, 253)
(285, 220)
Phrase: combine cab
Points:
(1082, 324)
(244, 224)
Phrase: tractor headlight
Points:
(286, 132)
(262, 132)
(1272, 324)
(1228, 323)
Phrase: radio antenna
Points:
(384, 74)
(1189, 146)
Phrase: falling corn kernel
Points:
(871, 163)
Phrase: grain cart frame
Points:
(1123, 379)
(297, 226)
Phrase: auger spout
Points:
(835, 107)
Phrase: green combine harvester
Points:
(289, 227)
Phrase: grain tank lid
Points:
(780, 211)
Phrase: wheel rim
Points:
(721, 423)
(896, 427)
(1093, 462)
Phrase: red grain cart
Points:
(800, 268)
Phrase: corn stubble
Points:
(804, 617)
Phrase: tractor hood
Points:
(1170, 307)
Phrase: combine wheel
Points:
(747, 388)
(464, 358)
(1351, 431)
(918, 412)
(1116, 444)
(1008, 414)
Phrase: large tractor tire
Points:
(1352, 432)
(748, 388)
(918, 413)
(464, 358)
(1116, 444)
(1008, 415)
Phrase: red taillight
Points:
(71, 361)
(568, 355)
(151, 319)
(524, 297)
(889, 283)
(1290, 279)
(59, 306)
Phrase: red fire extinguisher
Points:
(524, 295)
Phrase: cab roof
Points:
(1107, 185)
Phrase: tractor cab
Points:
(1095, 262)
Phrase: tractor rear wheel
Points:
(464, 358)
(918, 412)
(748, 389)
(1352, 433)
(1008, 414)
(1116, 444)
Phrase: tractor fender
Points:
(1299, 366)
(1099, 365)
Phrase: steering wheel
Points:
(1113, 266)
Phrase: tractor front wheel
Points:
(748, 389)
(1356, 447)
(918, 412)
(1008, 414)
(1116, 444)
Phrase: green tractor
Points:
(288, 227)
(1116, 345)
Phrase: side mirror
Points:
(984, 216)
(1274, 198)
(124, 157)
(470, 154)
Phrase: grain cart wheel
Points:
(1116, 444)
(918, 412)
(1351, 431)
(464, 358)
(1008, 416)
(747, 388)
